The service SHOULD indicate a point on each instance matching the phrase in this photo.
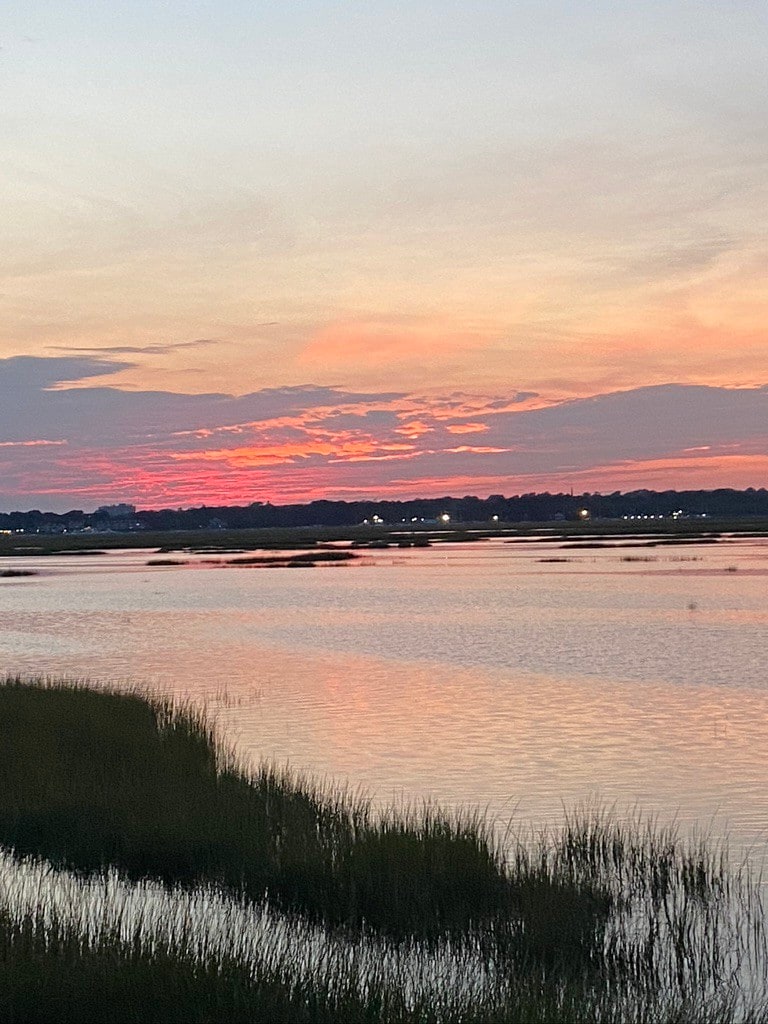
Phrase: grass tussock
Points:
(151, 871)
(303, 558)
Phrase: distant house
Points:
(121, 511)
(115, 518)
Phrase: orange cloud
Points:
(383, 458)
(671, 347)
(423, 348)
(340, 448)
(466, 428)
(414, 429)
(459, 406)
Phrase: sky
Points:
(280, 251)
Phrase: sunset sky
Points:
(292, 250)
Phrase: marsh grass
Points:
(72, 946)
(95, 778)
(146, 858)
(49, 974)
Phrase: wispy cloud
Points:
(31, 444)
(121, 350)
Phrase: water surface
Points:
(473, 673)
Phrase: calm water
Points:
(473, 673)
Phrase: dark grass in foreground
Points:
(94, 778)
(49, 976)
(601, 921)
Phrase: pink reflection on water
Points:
(531, 745)
(410, 678)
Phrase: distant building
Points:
(121, 511)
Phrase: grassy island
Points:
(145, 868)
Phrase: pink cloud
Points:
(297, 444)
(478, 449)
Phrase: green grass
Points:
(154, 873)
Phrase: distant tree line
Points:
(723, 502)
